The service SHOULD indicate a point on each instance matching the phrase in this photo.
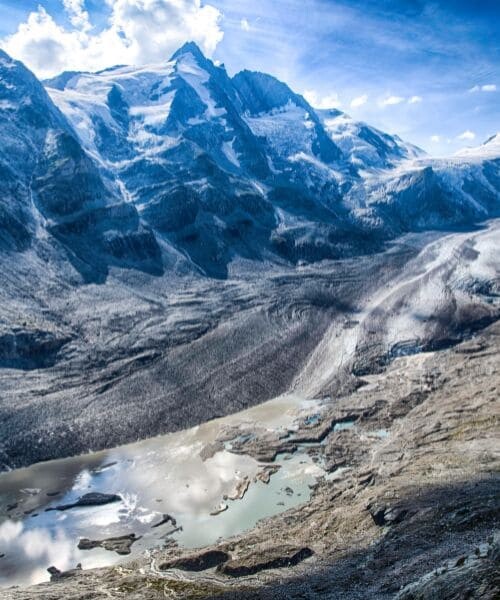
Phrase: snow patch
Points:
(230, 153)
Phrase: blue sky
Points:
(427, 70)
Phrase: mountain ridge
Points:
(226, 167)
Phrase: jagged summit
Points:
(264, 93)
(189, 48)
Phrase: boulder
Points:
(265, 558)
(199, 561)
(120, 545)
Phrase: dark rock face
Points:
(90, 499)
(264, 559)
(56, 574)
(200, 561)
(30, 348)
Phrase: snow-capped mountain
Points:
(131, 165)
(146, 180)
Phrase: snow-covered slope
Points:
(365, 146)
(178, 156)
(489, 149)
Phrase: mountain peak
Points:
(494, 139)
(189, 48)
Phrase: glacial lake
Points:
(163, 475)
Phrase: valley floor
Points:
(409, 508)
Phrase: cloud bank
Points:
(138, 32)
(466, 135)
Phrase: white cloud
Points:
(359, 101)
(329, 101)
(245, 25)
(488, 87)
(435, 139)
(78, 16)
(467, 135)
(138, 32)
(415, 99)
(392, 100)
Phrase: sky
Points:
(428, 70)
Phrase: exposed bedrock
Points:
(264, 558)
(198, 561)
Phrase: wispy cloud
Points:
(488, 87)
(466, 135)
(435, 139)
(415, 100)
(359, 101)
(78, 16)
(245, 25)
(392, 100)
(316, 100)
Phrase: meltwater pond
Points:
(156, 477)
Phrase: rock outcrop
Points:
(90, 499)
(120, 544)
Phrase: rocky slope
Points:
(233, 189)
(139, 354)
(409, 509)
